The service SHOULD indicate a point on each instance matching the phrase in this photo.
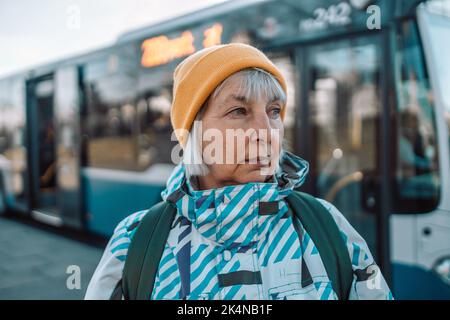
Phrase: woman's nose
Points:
(261, 126)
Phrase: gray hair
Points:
(254, 82)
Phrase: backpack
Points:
(149, 240)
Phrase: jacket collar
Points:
(217, 212)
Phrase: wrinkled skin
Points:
(226, 112)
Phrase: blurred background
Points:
(85, 133)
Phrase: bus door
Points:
(340, 132)
(68, 107)
(54, 153)
(42, 149)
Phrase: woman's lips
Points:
(258, 160)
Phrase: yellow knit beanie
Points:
(196, 77)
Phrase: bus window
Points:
(110, 92)
(416, 175)
(12, 136)
(344, 117)
(438, 26)
(155, 128)
(287, 68)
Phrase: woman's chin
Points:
(253, 175)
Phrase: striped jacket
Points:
(227, 243)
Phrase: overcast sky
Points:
(34, 32)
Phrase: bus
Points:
(86, 141)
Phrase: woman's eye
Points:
(238, 111)
(275, 112)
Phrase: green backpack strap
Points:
(153, 230)
(325, 233)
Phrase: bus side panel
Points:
(414, 282)
(109, 199)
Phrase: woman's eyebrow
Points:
(237, 98)
(243, 99)
(274, 99)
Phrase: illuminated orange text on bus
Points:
(160, 50)
(213, 35)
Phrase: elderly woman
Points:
(238, 230)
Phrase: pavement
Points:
(34, 262)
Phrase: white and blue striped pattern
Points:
(221, 231)
(120, 241)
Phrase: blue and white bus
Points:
(87, 140)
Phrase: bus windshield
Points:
(438, 29)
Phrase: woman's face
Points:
(251, 133)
